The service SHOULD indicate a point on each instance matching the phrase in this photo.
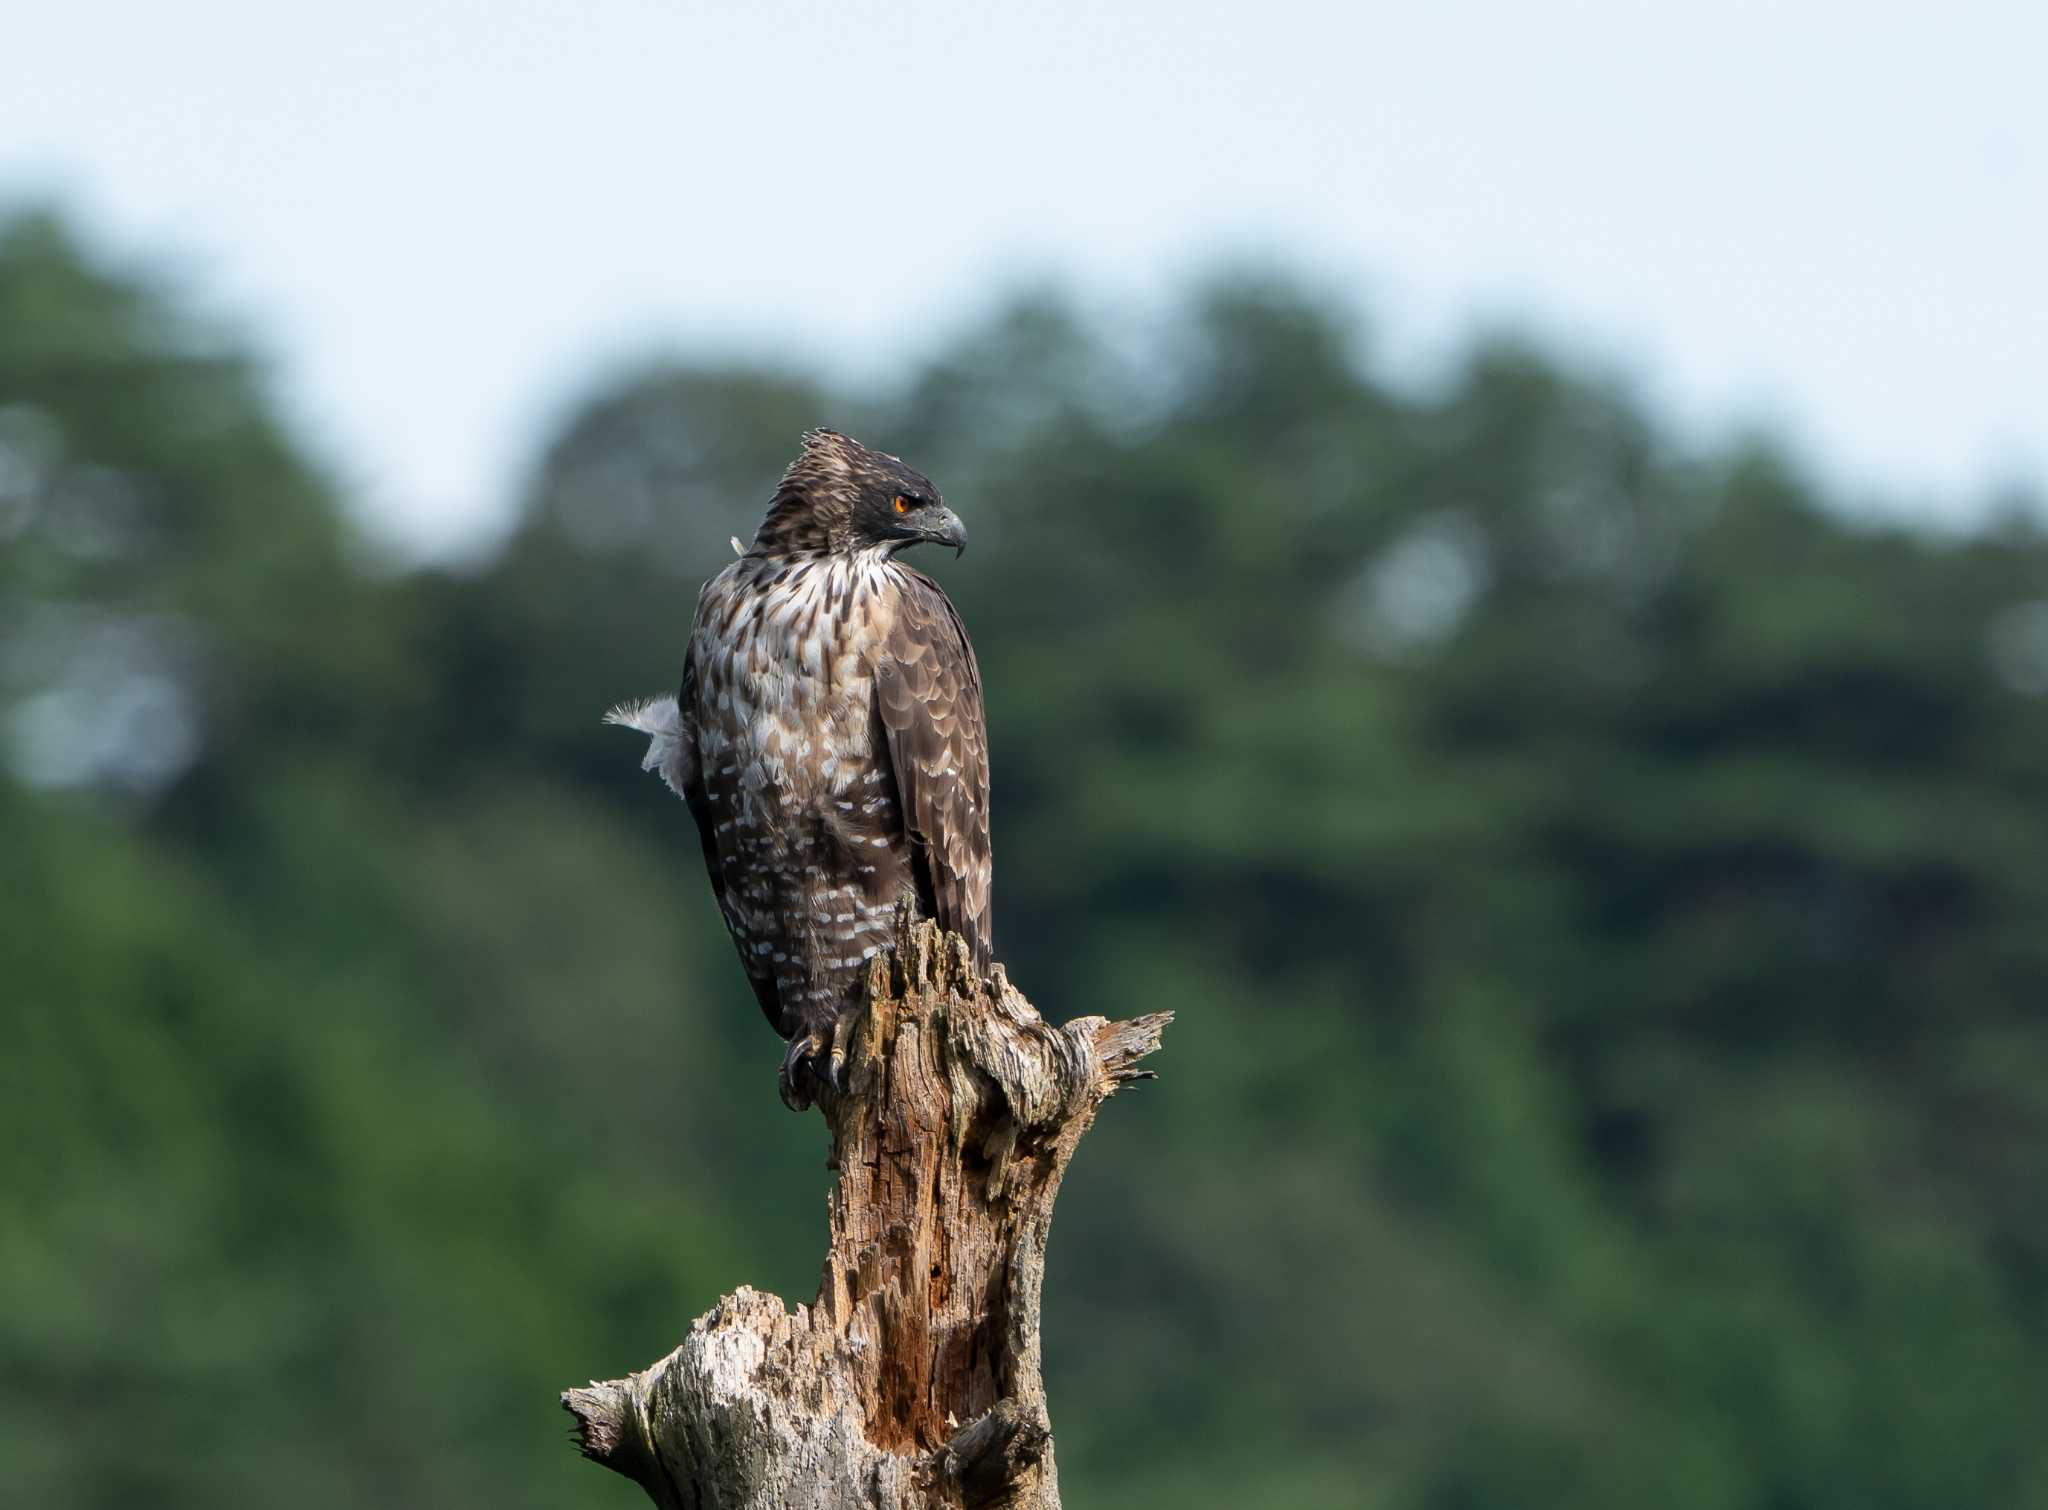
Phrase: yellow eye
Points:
(902, 504)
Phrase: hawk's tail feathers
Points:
(661, 720)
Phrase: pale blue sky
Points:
(442, 217)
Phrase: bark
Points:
(913, 1380)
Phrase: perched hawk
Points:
(830, 743)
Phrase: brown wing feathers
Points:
(928, 700)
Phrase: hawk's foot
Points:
(815, 1063)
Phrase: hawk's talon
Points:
(797, 1080)
(835, 1063)
(814, 1063)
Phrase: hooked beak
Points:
(948, 530)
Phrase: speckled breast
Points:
(804, 810)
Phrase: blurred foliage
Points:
(1601, 888)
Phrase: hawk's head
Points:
(840, 496)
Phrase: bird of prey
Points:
(829, 740)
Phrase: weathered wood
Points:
(913, 1380)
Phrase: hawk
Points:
(829, 740)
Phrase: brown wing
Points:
(928, 698)
(698, 798)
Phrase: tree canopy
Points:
(1598, 880)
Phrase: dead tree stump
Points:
(913, 1381)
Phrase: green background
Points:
(1601, 884)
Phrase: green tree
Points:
(1595, 879)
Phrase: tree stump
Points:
(913, 1380)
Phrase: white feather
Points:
(661, 720)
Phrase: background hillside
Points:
(1602, 887)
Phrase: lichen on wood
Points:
(913, 1380)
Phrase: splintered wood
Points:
(913, 1380)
